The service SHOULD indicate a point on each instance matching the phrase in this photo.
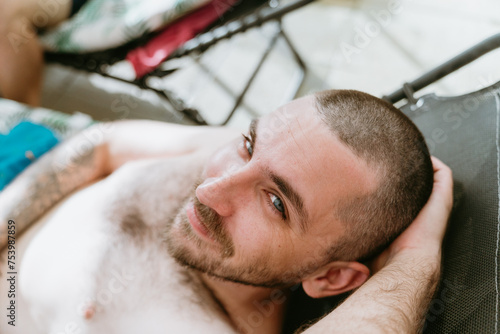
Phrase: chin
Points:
(182, 242)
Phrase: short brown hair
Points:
(390, 143)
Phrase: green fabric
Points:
(104, 24)
(63, 125)
(26, 133)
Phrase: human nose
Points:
(223, 193)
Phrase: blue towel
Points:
(22, 145)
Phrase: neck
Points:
(251, 309)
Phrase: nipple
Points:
(89, 311)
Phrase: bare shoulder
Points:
(136, 139)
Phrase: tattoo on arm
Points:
(48, 180)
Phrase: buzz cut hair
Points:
(389, 142)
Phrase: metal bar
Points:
(450, 66)
(252, 77)
(231, 28)
(298, 59)
(296, 55)
(190, 113)
(224, 86)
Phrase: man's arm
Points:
(396, 298)
(41, 185)
(92, 154)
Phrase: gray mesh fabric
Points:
(463, 132)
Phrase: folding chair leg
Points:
(240, 97)
(270, 46)
(224, 86)
(298, 59)
(195, 116)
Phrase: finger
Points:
(437, 163)
(443, 183)
(429, 227)
(442, 171)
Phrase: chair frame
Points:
(409, 88)
(407, 92)
(99, 62)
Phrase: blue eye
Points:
(278, 204)
(248, 145)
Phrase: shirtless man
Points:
(191, 237)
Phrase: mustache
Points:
(214, 224)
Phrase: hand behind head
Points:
(424, 237)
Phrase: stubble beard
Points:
(211, 258)
(188, 248)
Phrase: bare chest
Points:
(99, 264)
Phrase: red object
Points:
(146, 58)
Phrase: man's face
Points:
(264, 211)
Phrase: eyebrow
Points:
(283, 185)
(253, 130)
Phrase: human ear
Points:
(335, 278)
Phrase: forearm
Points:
(70, 165)
(395, 300)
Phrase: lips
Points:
(196, 223)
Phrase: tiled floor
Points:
(369, 45)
